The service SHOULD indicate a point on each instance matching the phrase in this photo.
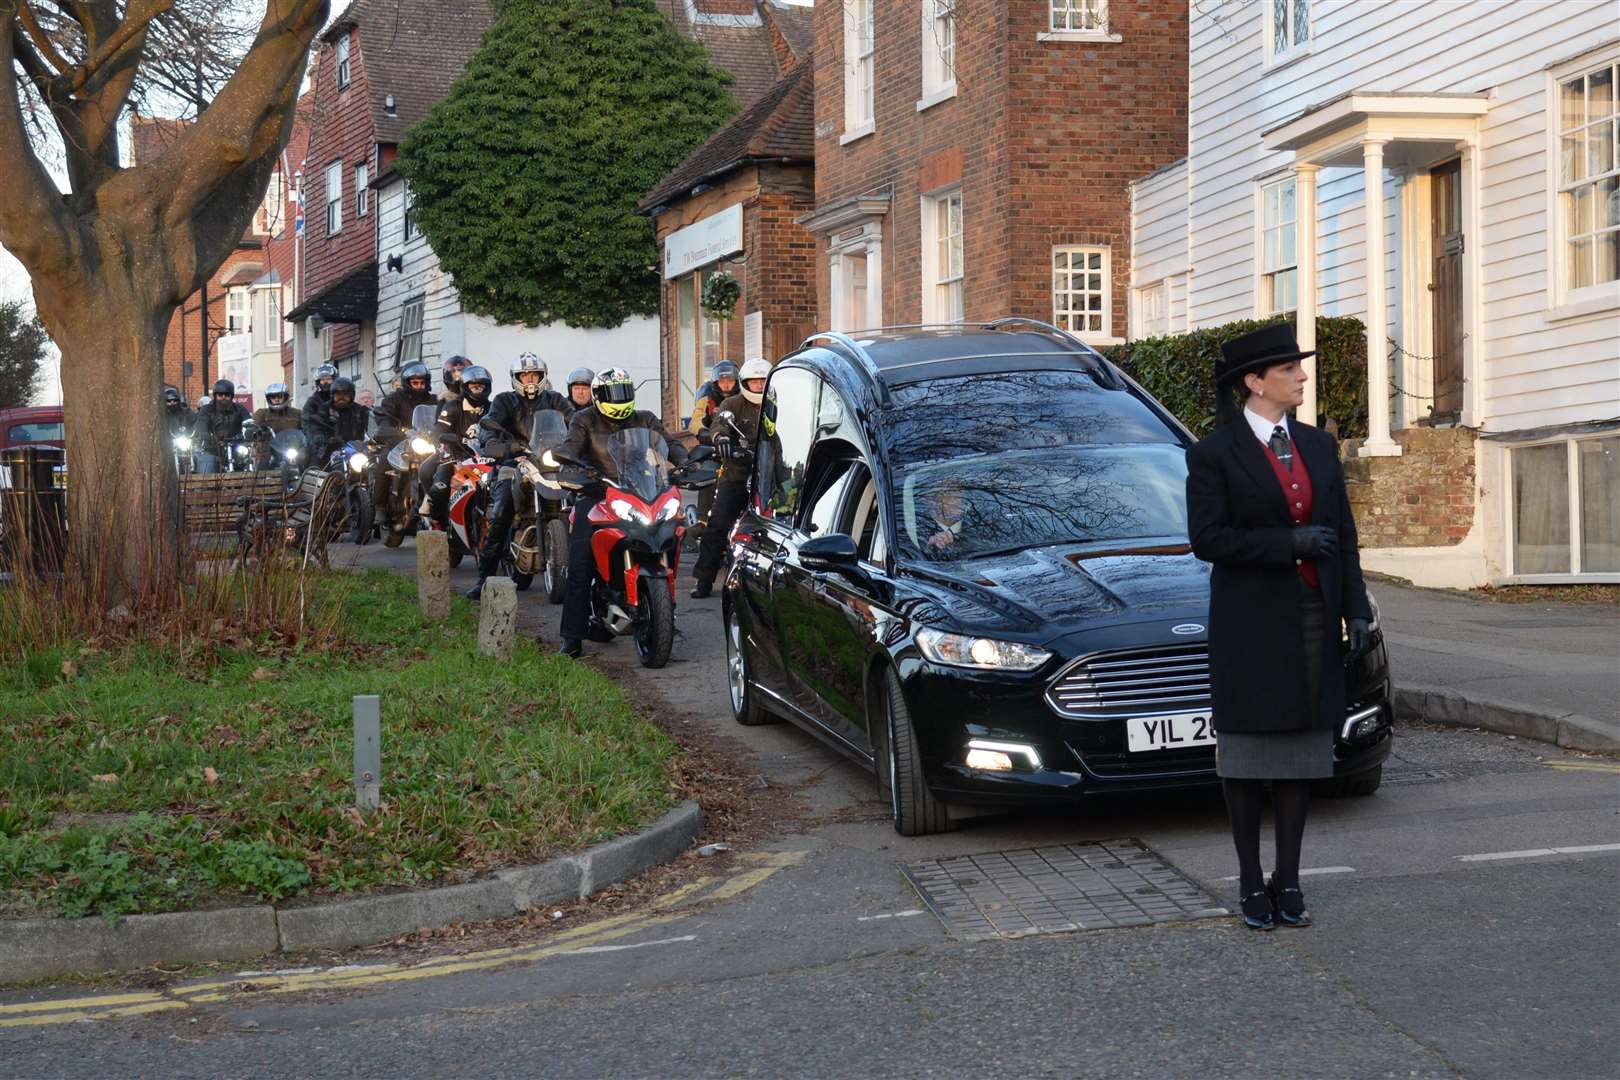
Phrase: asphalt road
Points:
(1426, 959)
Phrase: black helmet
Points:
(226, 387)
(581, 376)
(415, 370)
(343, 386)
(452, 371)
(472, 375)
(171, 397)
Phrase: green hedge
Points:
(1179, 371)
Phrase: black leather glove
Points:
(1315, 542)
(1359, 632)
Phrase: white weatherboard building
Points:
(1456, 161)
(419, 317)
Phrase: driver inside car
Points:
(943, 511)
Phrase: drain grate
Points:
(1046, 890)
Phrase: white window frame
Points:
(1565, 301)
(1572, 476)
(1264, 272)
(1061, 317)
(866, 243)
(938, 52)
(362, 189)
(271, 217)
(345, 70)
(860, 69)
(1295, 49)
(334, 198)
(1146, 322)
(408, 214)
(412, 318)
(1077, 20)
(943, 285)
(238, 310)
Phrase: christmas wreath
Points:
(720, 295)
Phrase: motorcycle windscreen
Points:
(549, 430)
(642, 459)
(423, 417)
(290, 446)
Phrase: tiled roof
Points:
(149, 136)
(743, 50)
(350, 299)
(781, 124)
(796, 22)
(415, 50)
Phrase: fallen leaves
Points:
(105, 778)
(210, 776)
(260, 674)
(69, 669)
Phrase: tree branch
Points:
(34, 222)
(42, 41)
(136, 18)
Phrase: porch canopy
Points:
(1377, 131)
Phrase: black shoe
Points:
(1290, 904)
(1257, 911)
(572, 646)
(702, 590)
(475, 593)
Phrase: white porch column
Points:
(1473, 356)
(1378, 444)
(1305, 299)
(874, 282)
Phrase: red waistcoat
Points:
(1296, 485)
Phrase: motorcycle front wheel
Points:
(360, 515)
(556, 568)
(655, 623)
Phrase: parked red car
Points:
(36, 425)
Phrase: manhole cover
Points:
(1046, 890)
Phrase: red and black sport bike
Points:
(637, 543)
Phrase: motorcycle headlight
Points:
(671, 510)
(421, 446)
(291, 453)
(358, 461)
(182, 443)
(549, 460)
(987, 654)
(625, 512)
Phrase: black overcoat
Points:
(1238, 520)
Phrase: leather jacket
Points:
(511, 415)
(590, 433)
(458, 425)
(394, 411)
(286, 418)
(735, 470)
(216, 425)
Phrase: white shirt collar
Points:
(1263, 428)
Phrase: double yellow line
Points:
(665, 909)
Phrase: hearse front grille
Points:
(1133, 682)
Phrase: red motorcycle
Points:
(469, 505)
(637, 543)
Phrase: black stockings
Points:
(1245, 799)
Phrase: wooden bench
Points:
(211, 503)
(312, 513)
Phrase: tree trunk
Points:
(123, 494)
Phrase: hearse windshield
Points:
(987, 464)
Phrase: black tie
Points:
(1282, 447)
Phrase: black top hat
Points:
(1257, 350)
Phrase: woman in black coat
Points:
(1266, 505)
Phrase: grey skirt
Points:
(1285, 755)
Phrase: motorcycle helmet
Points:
(452, 372)
(224, 388)
(344, 387)
(757, 369)
(615, 393)
(323, 378)
(273, 391)
(527, 361)
(724, 371)
(172, 398)
(205, 399)
(581, 376)
(475, 376)
(416, 370)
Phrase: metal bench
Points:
(310, 514)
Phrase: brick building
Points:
(973, 158)
(732, 207)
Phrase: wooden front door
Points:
(1445, 288)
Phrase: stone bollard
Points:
(433, 574)
(497, 618)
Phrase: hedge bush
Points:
(1179, 371)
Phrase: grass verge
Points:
(137, 777)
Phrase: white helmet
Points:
(527, 361)
(757, 368)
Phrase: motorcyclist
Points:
(277, 416)
(731, 490)
(505, 432)
(589, 443)
(322, 395)
(218, 424)
(451, 377)
(458, 429)
(721, 385)
(393, 415)
(579, 389)
(341, 421)
(177, 418)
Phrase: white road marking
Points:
(1313, 871)
(635, 945)
(1535, 853)
(892, 915)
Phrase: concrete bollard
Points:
(497, 618)
(433, 574)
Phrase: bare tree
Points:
(112, 258)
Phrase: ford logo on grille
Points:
(1187, 628)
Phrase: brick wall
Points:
(1043, 137)
(184, 344)
(343, 127)
(281, 250)
(1424, 498)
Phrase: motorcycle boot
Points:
(489, 565)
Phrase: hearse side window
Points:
(791, 401)
(866, 520)
(821, 518)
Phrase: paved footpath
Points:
(1467, 925)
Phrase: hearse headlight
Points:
(987, 654)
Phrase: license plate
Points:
(1169, 732)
